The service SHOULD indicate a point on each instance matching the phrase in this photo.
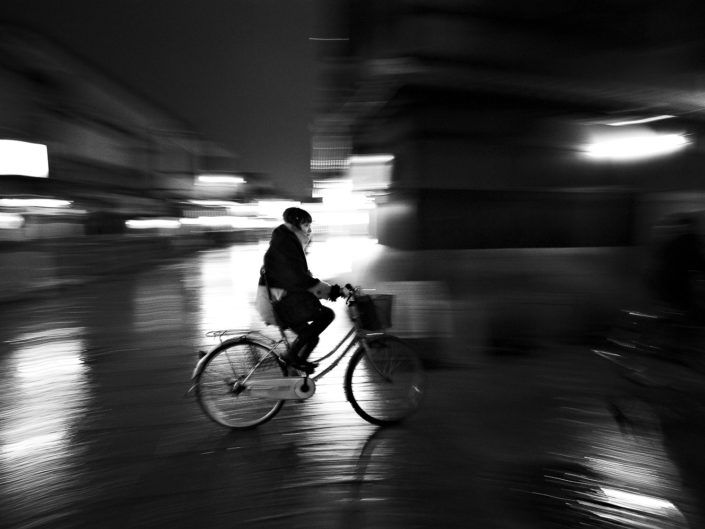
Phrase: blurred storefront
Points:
(531, 147)
(110, 154)
(490, 112)
(94, 178)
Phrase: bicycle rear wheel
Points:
(218, 388)
(386, 383)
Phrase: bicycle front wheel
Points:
(385, 383)
(219, 390)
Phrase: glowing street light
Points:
(219, 180)
(635, 146)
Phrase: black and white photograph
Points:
(336, 264)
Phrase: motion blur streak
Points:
(636, 146)
(636, 501)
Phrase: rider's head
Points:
(296, 217)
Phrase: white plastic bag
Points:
(264, 305)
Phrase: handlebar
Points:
(349, 292)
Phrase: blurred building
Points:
(96, 180)
(110, 154)
(494, 112)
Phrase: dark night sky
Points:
(241, 71)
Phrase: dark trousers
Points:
(308, 333)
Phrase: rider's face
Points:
(306, 228)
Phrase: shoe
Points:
(297, 363)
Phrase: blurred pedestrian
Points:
(292, 289)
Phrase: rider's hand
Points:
(335, 292)
(321, 290)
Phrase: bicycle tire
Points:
(232, 360)
(386, 383)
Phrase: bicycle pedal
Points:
(299, 365)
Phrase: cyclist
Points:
(286, 268)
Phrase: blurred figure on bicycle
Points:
(293, 290)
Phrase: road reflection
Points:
(47, 394)
(602, 478)
(92, 419)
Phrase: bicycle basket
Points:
(374, 311)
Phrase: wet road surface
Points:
(96, 430)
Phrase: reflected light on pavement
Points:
(30, 445)
(634, 477)
(51, 395)
(634, 501)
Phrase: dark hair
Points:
(297, 216)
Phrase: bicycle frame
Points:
(354, 337)
(277, 388)
(383, 380)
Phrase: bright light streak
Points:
(338, 195)
(61, 360)
(371, 159)
(343, 218)
(640, 121)
(214, 203)
(24, 159)
(352, 201)
(636, 146)
(33, 444)
(211, 222)
(147, 224)
(226, 301)
(34, 203)
(336, 256)
(10, 221)
(637, 502)
(215, 179)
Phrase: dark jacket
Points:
(285, 263)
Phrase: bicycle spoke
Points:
(385, 383)
(218, 385)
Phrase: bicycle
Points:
(243, 381)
